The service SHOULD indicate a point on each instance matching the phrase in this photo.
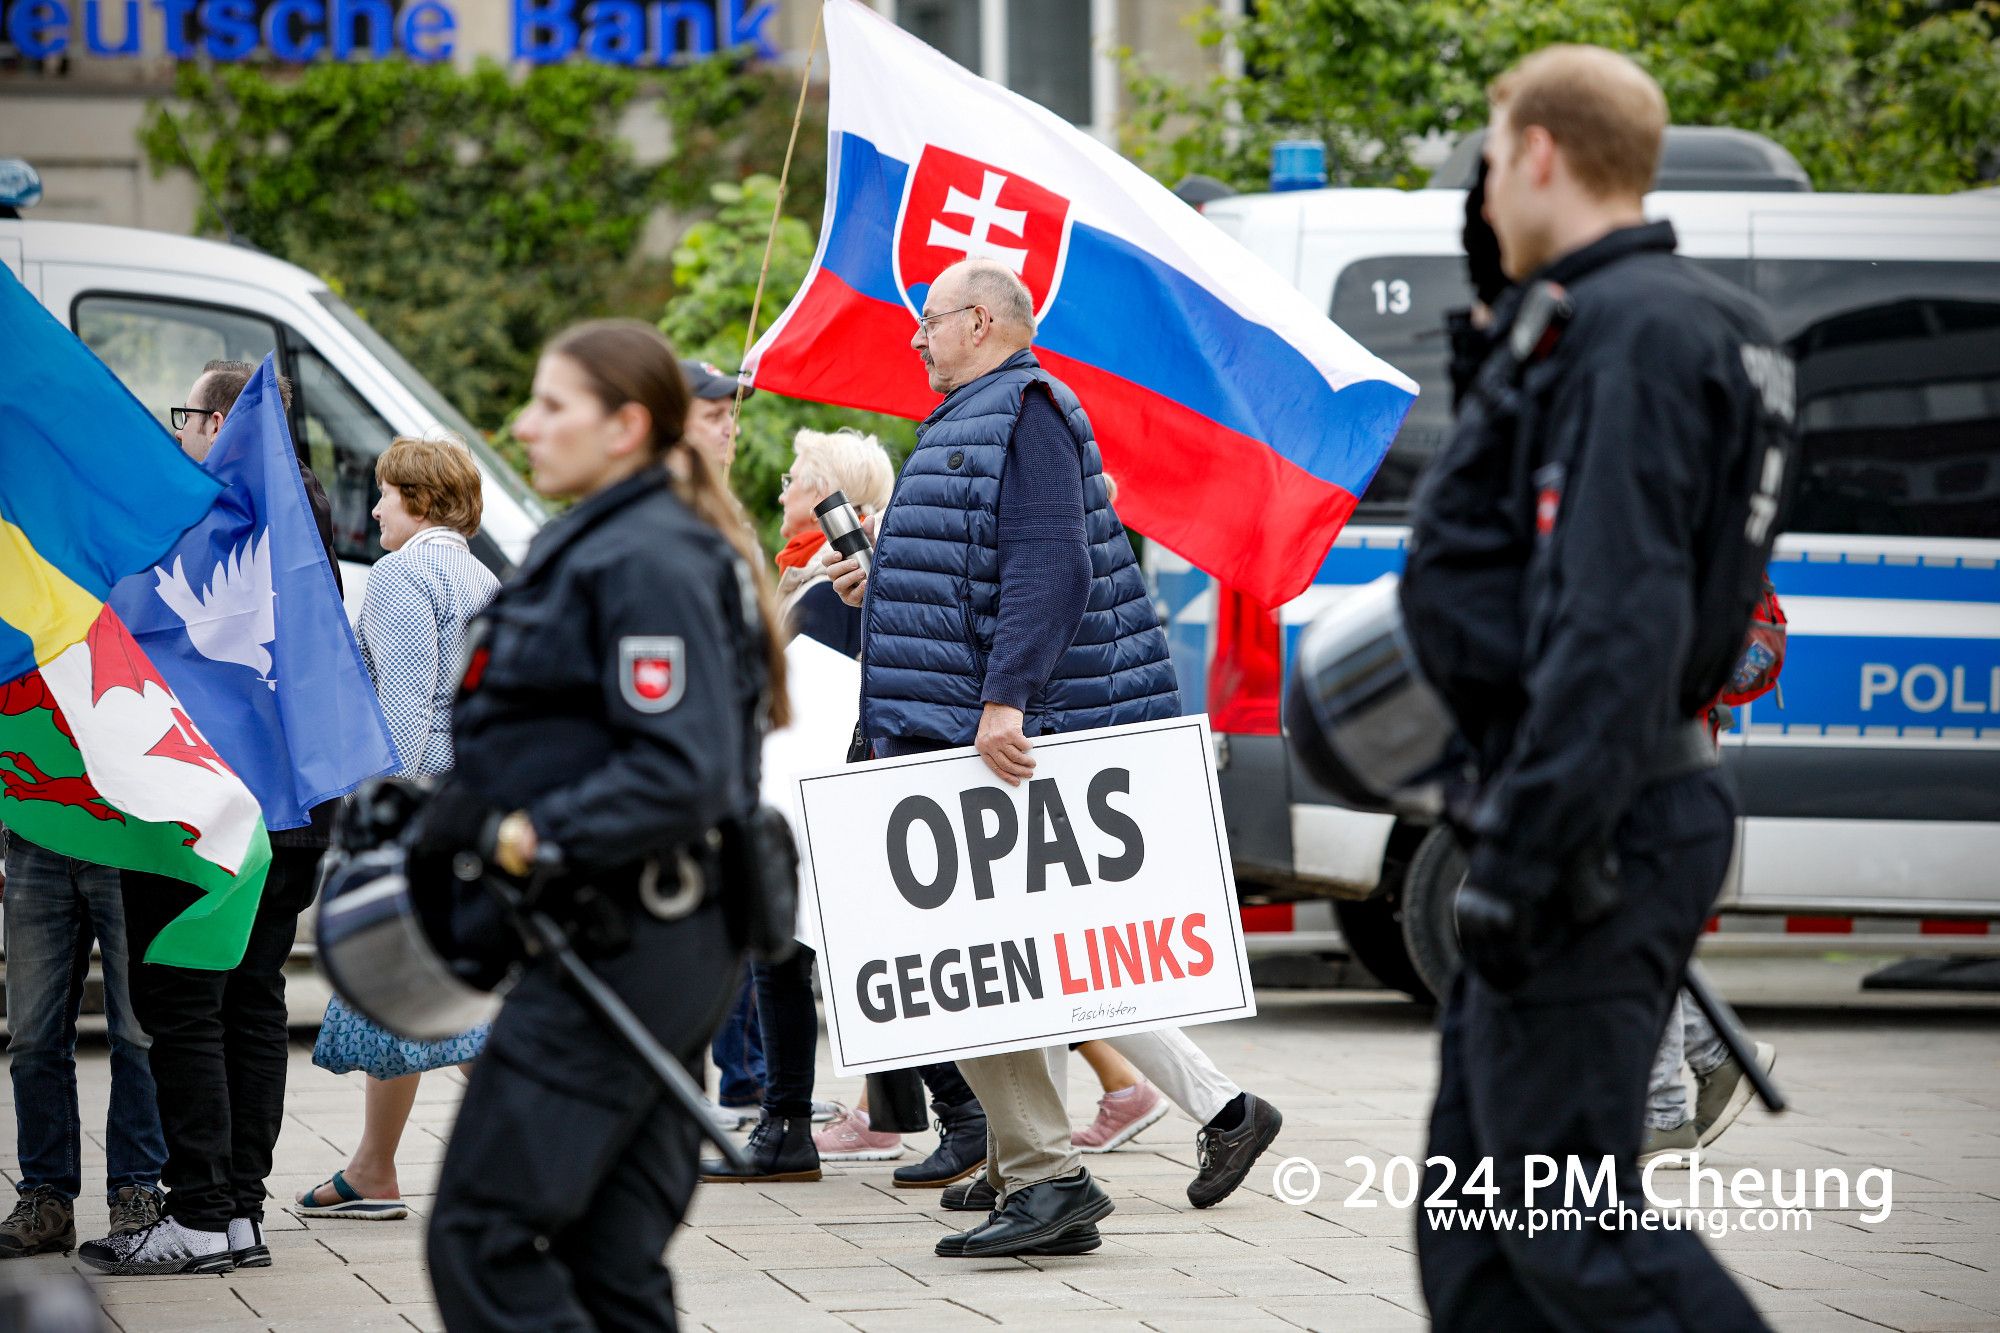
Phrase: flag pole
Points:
(777, 212)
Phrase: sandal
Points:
(351, 1204)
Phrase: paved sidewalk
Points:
(1908, 1083)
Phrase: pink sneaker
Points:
(847, 1138)
(1119, 1119)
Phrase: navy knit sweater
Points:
(1044, 561)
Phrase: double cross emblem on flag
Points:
(959, 208)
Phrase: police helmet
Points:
(1361, 718)
(379, 953)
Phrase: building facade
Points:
(77, 76)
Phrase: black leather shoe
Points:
(1227, 1155)
(1077, 1240)
(976, 1195)
(779, 1149)
(1036, 1216)
(961, 1149)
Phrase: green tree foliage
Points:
(467, 215)
(729, 122)
(715, 277)
(1878, 95)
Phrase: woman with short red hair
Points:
(420, 596)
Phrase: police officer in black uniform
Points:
(609, 721)
(1584, 558)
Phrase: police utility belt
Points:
(1686, 748)
(750, 862)
(670, 885)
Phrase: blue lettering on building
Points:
(627, 32)
(38, 28)
(647, 33)
(93, 29)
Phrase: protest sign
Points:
(958, 916)
(825, 690)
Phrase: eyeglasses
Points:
(180, 416)
(785, 480)
(925, 321)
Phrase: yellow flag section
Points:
(40, 600)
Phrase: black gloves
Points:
(455, 820)
(1498, 936)
(1504, 937)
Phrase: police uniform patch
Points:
(652, 672)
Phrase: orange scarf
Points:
(800, 550)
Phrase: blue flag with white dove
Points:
(243, 619)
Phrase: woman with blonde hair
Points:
(856, 465)
(413, 617)
(783, 1146)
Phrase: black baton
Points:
(1723, 1019)
(542, 930)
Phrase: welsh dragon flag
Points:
(98, 758)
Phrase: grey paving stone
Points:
(1193, 1316)
(1820, 1319)
(1261, 1276)
(1017, 1288)
(1346, 1313)
(1353, 1074)
(863, 1275)
(916, 1317)
(803, 1319)
(360, 1321)
(1911, 1311)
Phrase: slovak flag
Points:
(1241, 424)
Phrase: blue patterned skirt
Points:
(348, 1042)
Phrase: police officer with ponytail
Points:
(607, 733)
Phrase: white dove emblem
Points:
(234, 616)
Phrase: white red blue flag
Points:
(1241, 424)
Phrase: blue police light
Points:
(20, 184)
(1298, 164)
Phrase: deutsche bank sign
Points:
(616, 32)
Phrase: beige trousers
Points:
(1027, 1121)
(1024, 1094)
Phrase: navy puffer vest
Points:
(934, 595)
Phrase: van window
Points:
(1395, 307)
(1899, 393)
(343, 436)
(496, 468)
(157, 347)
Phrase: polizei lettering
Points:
(1932, 688)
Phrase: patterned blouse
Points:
(413, 619)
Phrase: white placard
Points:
(824, 686)
(959, 916)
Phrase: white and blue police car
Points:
(1870, 785)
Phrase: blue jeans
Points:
(54, 906)
(738, 1050)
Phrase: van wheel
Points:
(1373, 929)
(1430, 895)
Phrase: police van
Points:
(157, 307)
(1870, 785)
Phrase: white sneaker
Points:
(826, 1112)
(164, 1247)
(728, 1120)
(246, 1243)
